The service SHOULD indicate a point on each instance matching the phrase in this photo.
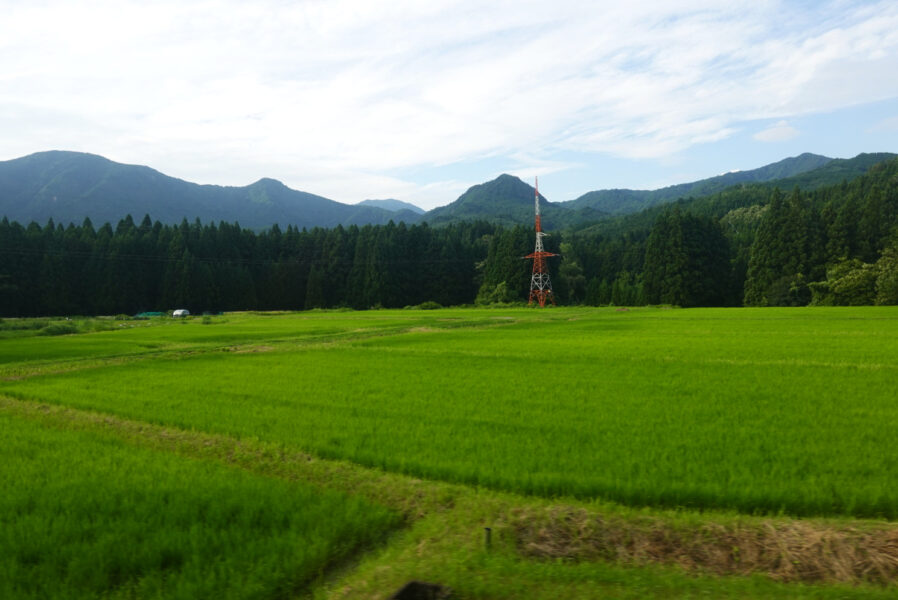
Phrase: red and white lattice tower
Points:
(540, 284)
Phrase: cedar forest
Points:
(748, 245)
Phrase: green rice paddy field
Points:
(749, 413)
(84, 517)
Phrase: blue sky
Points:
(414, 100)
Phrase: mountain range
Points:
(69, 186)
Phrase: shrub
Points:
(429, 305)
(59, 329)
(23, 324)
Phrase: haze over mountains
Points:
(69, 186)
(393, 205)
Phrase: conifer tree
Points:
(686, 261)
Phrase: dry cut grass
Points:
(785, 550)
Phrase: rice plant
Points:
(758, 410)
(84, 516)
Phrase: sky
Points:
(419, 100)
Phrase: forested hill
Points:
(622, 201)
(507, 200)
(754, 245)
(718, 204)
(833, 172)
(69, 186)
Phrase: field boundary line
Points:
(411, 496)
(26, 370)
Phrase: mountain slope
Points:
(618, 202)
(745, 195)
(69, 186)
(833, 172)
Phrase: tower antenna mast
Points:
(540, 284)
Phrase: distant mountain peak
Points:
(506, 200)
(268, 183)
(65, 154)
(504, 187)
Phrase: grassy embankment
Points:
(752, 412)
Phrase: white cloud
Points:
(780, 132)
(326, 95)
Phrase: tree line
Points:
(749, 245)
(78, 269)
